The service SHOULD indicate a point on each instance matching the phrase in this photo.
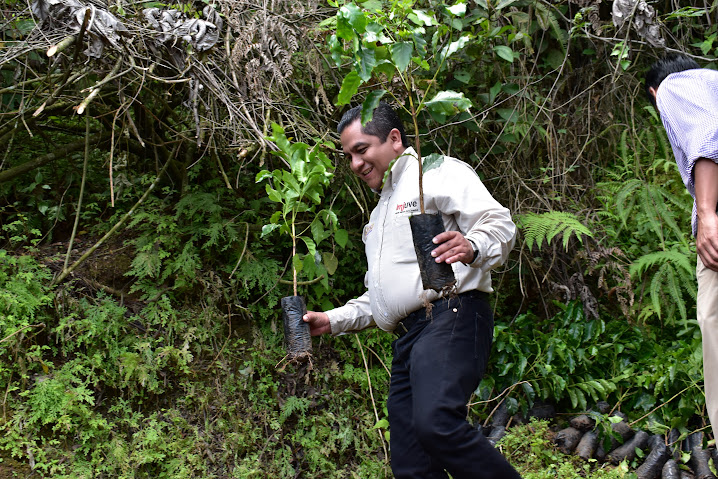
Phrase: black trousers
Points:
(437, 365)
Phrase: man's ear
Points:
(395, 138)
(652, 91)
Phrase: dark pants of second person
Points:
(437, 365)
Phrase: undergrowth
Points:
(529, 448)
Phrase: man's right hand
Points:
(707, 240)
(705, 174)
(318, 322)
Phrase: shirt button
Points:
(386, 314)
(394, 185)
(386, 203)
(455, 310)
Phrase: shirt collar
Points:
(399, 166)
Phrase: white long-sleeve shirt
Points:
(393, 280)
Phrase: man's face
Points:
(368, 157)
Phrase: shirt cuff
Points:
(475, 247)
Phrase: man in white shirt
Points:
(439, 357)
(686, 96)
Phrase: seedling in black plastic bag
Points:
(298, 192)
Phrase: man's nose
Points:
(356, 163)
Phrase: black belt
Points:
(438, 307)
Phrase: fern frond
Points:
(546, 16)
(626, 199)
(670, 282)
(679, 258)
(546, 226)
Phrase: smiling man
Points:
(439, 357)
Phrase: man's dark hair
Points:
(671, 63)
(384, 120)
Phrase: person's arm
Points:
(705, 177)
(350, 318)
(460, 193)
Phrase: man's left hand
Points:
(452, 247)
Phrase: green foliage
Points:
(576, 362)
(176, 240)
(645, 204)
(546, 226)
(531, 451)
(24, 302)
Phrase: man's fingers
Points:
(452, 247)
(318, 323)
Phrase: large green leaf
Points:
(335, 47)
(370, 104)
(330, 262)
(502, 51)
(350, 85)
(350, 19)
(311, 246)
(365, 62)
(459, 9)
(273, 194)
(419, 42)
(401, 54)
(447, 103)
(420, 17)
(375, 33)
(341, 237)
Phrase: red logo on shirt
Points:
(406, 205)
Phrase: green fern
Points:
(673, 278)
(546, 226)
(293, 404)
(547, 19)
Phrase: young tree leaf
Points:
(452, 48)
(297, 262)
(273, 194)
(262, 175)
(266, 229)
(330, 262)
(341, 237)
(350, 85)
(420, 17)
(401, 54)
(432, 161)
(370, 104)
(311, 246)
(459, 9)
(366, 61)
(335, 47)
(350, 19)
(419, 42)
(447, 103)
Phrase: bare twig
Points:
(82, 190)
